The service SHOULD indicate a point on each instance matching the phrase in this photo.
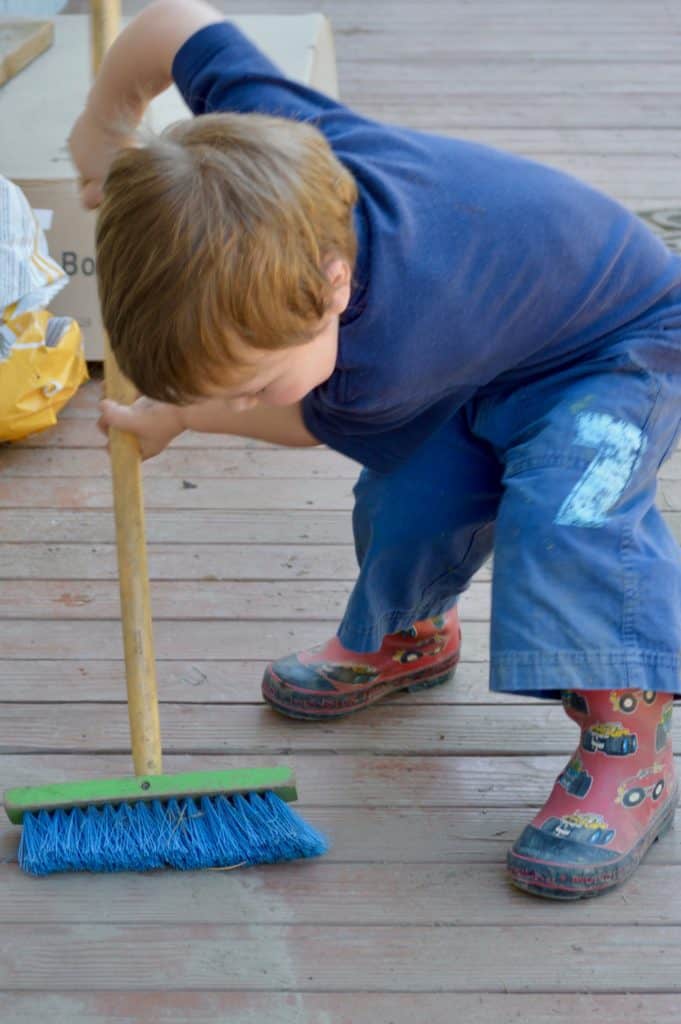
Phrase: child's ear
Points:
(340, 277)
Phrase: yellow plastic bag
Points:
(43, 366)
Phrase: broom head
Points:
(192, 820)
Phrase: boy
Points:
(496, 343)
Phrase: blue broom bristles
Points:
(185, 834)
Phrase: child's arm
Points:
(137, 67)
(156, 424)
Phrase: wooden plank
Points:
(335, 894)
(237, 464)
(532, 16)
(153, 1007)
(501, 43)
(460, 12)
(197, 527)
(20, 43)
(512, 958)
(414, 834)
(186, 640)
(205, 563)
(78, 493)
(446, 110)
(453, 53)
(85, 600)
(516, 76)
(388, 729)
(198, 682)
(206, 599)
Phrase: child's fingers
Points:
(122, 417)
(91, 194)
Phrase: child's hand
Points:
(137, 67)
(154, 424)
(93, 146)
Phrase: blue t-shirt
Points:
(476, 268)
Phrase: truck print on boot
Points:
(615, 797)
(330, 681)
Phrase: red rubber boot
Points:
(615, 797)
(331, 681)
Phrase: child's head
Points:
(224, 248)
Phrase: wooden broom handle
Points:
(131, 546)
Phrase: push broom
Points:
(192, 820)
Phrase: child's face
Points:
(284, 376)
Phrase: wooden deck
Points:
(409, 918)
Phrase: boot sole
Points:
(561, 882)
(417, 682)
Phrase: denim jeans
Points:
(557, 477)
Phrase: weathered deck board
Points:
(221, 729)
(335, 894)
(503, 958)
(53, 640)
(196, 682)
(196, 464)
(85, 599)
(213, 526)
(95, 492)
(187, 564)
(410, 907)
(205, 1007)
(430, 731)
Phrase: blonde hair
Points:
(219, 228)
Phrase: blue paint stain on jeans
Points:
(619, 446)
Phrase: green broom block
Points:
(101, 792)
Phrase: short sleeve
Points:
(219, 68)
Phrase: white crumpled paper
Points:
(29, 276)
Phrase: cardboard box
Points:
(39, 106)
